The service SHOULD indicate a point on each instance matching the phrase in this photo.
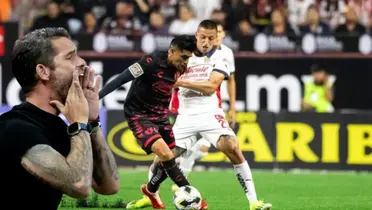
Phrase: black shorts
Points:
(147, 131)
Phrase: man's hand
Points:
(232, 118)
(91, 91)
(76, 107)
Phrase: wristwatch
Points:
(76, 127)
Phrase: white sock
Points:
(243, 172)
(150, 172)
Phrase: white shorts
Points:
(209, 125)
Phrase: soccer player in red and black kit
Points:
(146, 108)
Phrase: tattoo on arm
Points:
(72, 175)
(105, 167)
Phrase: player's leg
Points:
(169, 165)
(187, 160)
(152, 142)
(186, 138)
(199, 150)
(228, 144)
(224, 139)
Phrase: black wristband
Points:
(95, 123)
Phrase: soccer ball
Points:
(187, 198)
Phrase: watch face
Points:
(73, 128)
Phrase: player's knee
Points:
(204, 148)
(228, 144)
(165, 155)
(161, 149)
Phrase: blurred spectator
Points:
(53, 18)
(236, 10)
(27, 11)
(90, 24)
(203, 8)
(260, 14)
(100, 8)
(219, 16)
(297, 10)
(142, 11)
(124, 21)
(73, 21)
(5, 10)
(332, 12)
(362, 10)
(157, 23)
(279, 25)
(351, 26)
(168, 8)
(185, 24)
(244, 28)
(313, 23)
(318, 94)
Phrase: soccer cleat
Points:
(204, 205)
(260, 205)
(154, 198)
(174, 188)
(139, 204)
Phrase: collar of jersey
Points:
(208, 54)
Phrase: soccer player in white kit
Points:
(200, 111)
(201, 148)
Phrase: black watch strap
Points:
(95, 123)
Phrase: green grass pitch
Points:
(285, 190)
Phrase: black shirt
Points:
(357, 31)
(20, 129)
(151, 90)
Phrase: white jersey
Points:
(227, 55)
(199, 68)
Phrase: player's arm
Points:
(129, 74)
(231, 83)
(71, 174)
(106, 179)
(205, 87)
(208, 87)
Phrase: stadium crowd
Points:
(244, 17)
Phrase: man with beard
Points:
(43, 158)
(318, 94)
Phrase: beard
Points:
(319, 82)
(60, 88)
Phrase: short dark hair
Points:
(208, 24)
(33, 49)
(317, 68)
(184, 42)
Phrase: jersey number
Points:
(222, 121)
